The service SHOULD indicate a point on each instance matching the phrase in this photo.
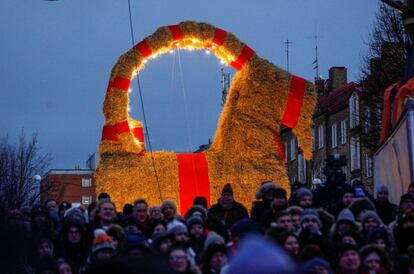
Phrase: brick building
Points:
(72, 185)
(336, 131)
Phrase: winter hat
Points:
(179, 228)
(347, 189)
(371, 214)
(345, 215)
(200, 201)
(198, 211)
(213, 248)
(294, 210)
(361, 204)
(345, 247)
(116, 232)
(280, 193)
(377, 233)
(244, 227)
(310, 213)
(307, 267)
(161, 236)
(135, 239)
(260, 257)
(227, 189)
(266, 186)
(212, 238)
(101, 241)
(74, 215)
(406, 197)
(382, 189)
(303, 192)
(195, 220)
(169, 203)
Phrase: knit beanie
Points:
(308, 266)
(361, 204)
(382, 189)
(303, 192)
(310, 213)
(377, 233)
(212, 238)
(266, 186)
(227, 189)
(406, 197)
(214, 248)
(245, 227)
(179, 228)
(194, 220)
(200, 201)
(345, 215)
(371, 214)
(169, 203)
(101, 241)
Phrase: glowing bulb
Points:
(177, 44)
(222, 62)
(145, 61)
(129, 109)
(194, 41)
(134, 73)
(213, 46)
(129, 90)
(207, 52)
(171, 51)
(190, 48)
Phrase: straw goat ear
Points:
(303, 129)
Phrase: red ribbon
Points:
(295, 101)
(244, 56)
(176, 32)
(280, 147)
(139, 134)
(119, 82)
(386, 111)
(194, 180)
(399, 99)
(143, 48)
(219, 36)
(111, 132)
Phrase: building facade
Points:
(72, 185)
(337, 127)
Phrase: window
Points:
(343, 132)
(355, 153)
(301, 168)
(321, 137)
(286, 150)
(292, 149)
(86, 182)
(354, 110)
(86, 200)
(313, 139)
(334, 137)
(368, 166)
(367, 120)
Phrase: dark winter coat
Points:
(385, 211)
(258, 209)
(228, 217)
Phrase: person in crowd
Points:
(169, 211)
(51, 205)
(359, 206)
(157, 226)
(227, 211)
(130, 224)
(102, 250)
(215, 257)
(346, 197)
(200, 201)
(304, 198)
(182, 238)
(103, 196)
(349, 261)
(65, 205)
(264, 198)
(240, 230)
(311, 232)
(155, 213)
(162, 243)
(290, 243)
(279, 203)
(127, 210)
(197, 211)
(104, 215)
(317, 266)
(410, 189)
(65, 267)
(116, 232)
(141, 214)
(283, 220)
(41, 222)
(345, 222)
(73, 242)
(213, 238)
(375, 260)
(295, 213)
(178, 260)
(197, 237)
(370, 220)
(384, 208)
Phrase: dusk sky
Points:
(56, 58)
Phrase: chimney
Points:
(337, 77)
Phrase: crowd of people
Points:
(355, 234)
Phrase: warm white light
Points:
(145, 61)
(207, 52)
(194, 41)
(213, 46)
(129, 90)
(129, 109)
(190, 48)
(222, 62)
(171, 51)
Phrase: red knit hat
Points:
(101, 241)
